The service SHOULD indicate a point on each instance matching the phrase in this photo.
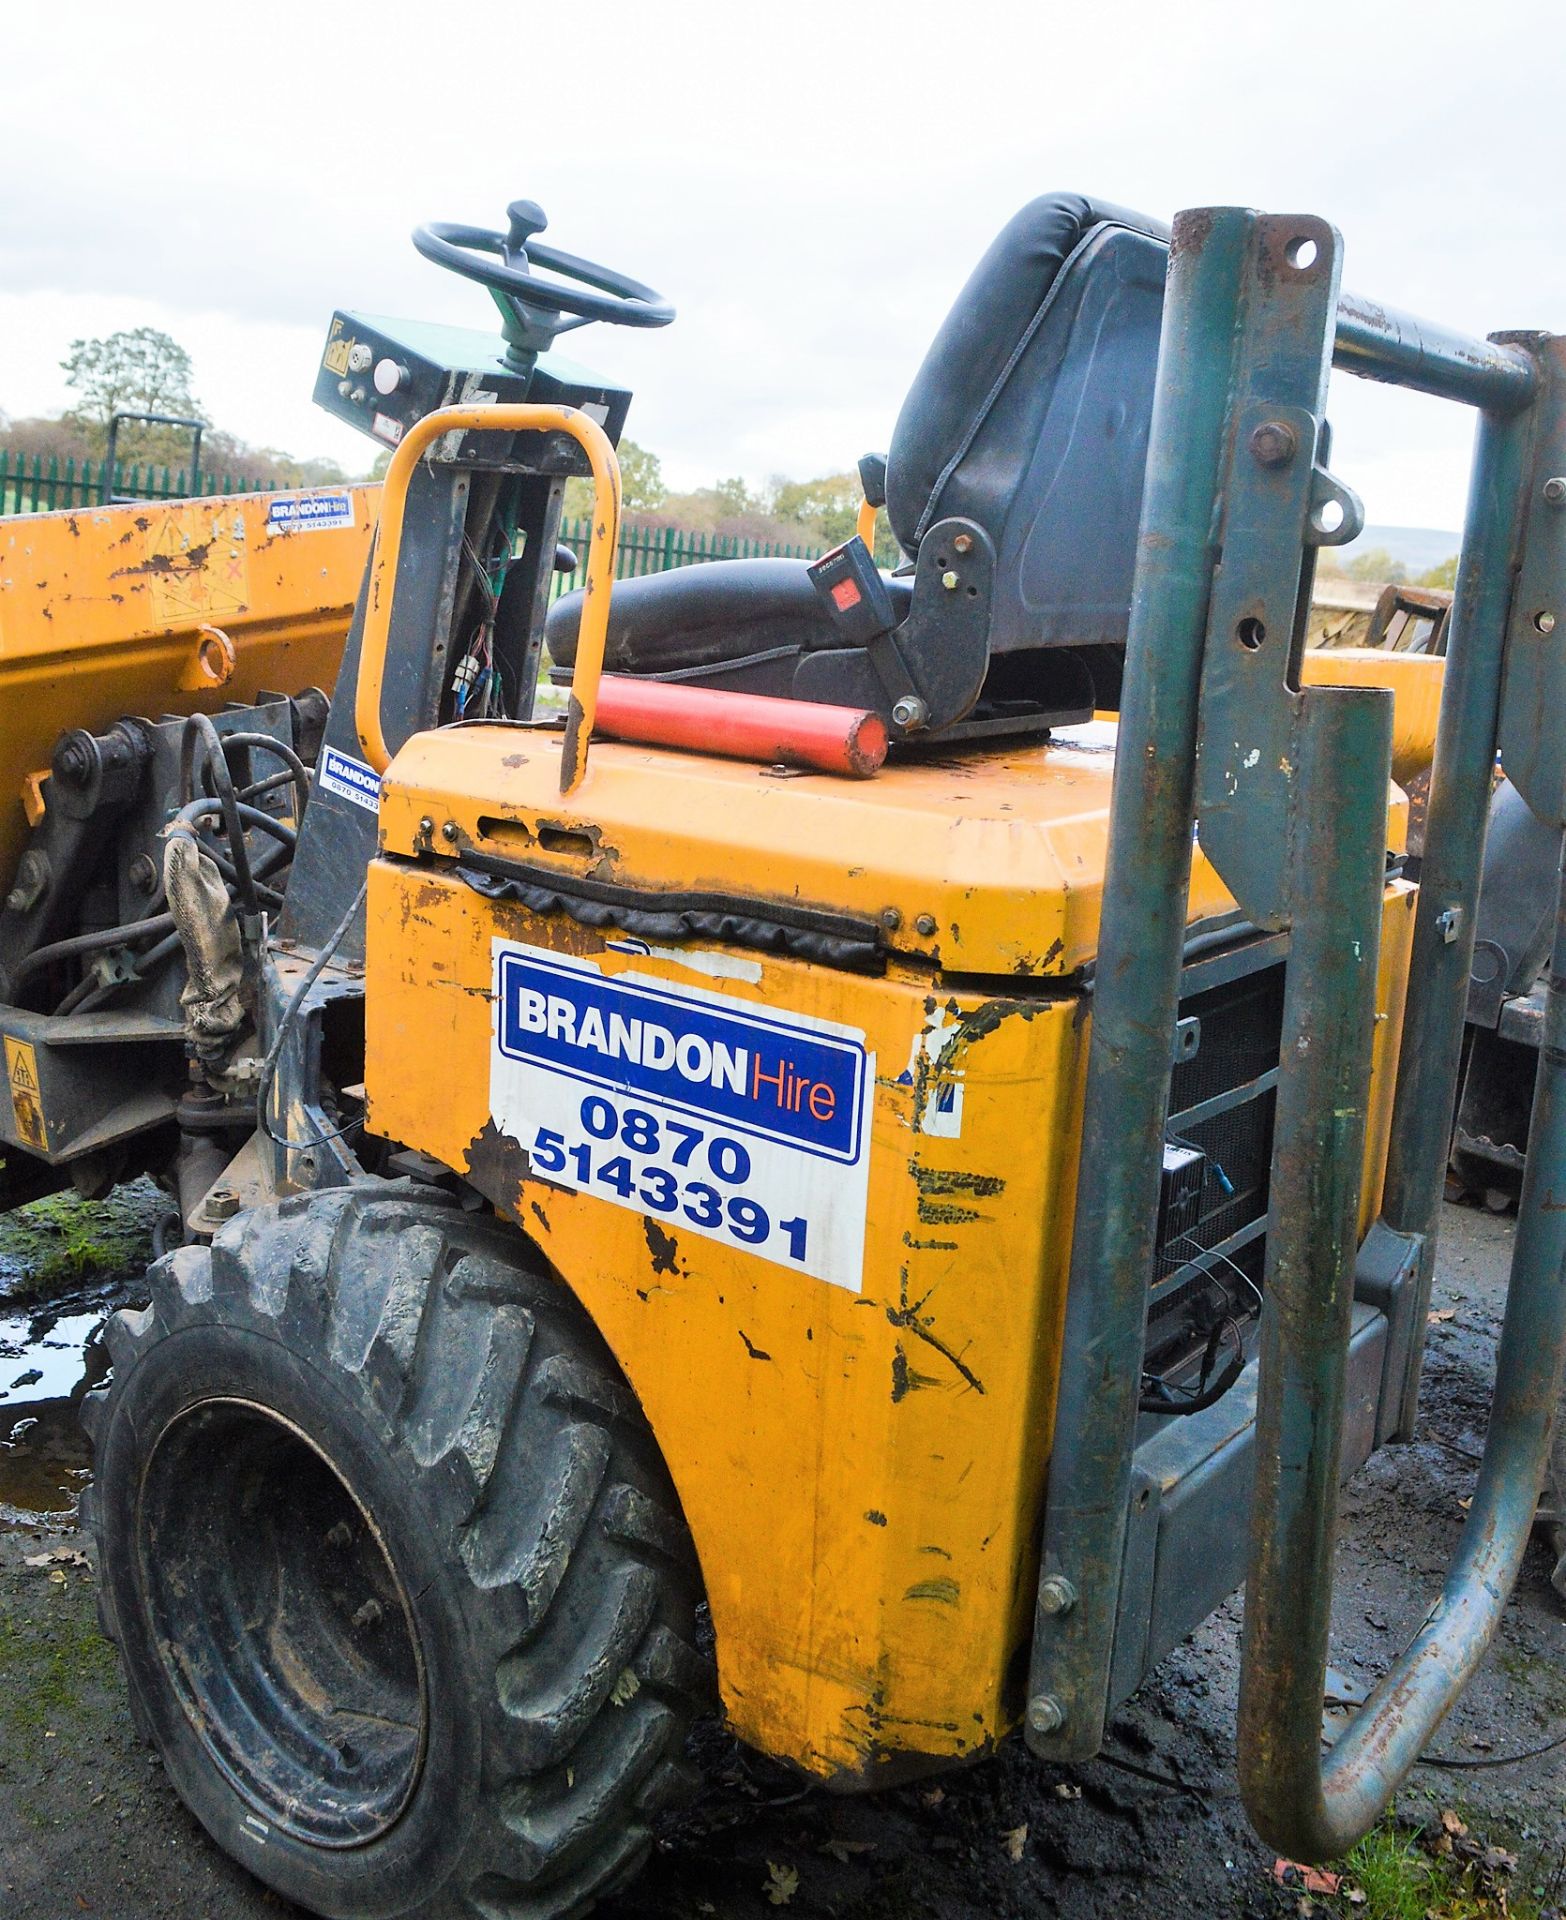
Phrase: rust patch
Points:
(662, 1245)
(497, 1165)
(909, 1317)
(538, 1214)
(191, 561)
(933, 1180)
(572, 744)
(876, 1519)
(945, 1592)
(514, 760)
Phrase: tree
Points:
(140, 371)
(1444, 575)
(641, 484)
(1377, 564)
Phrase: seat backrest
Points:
(1030, 415)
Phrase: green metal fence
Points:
(38, 483)
(656, 549)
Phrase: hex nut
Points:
(1555, 490)
(1045, 1714)
(925, 924)
(449, 830)
(1274, 443)
(891, 919)
(1056, 1594)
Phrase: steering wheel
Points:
(503, 263)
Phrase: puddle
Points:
(48, 1359)
(65, 1266)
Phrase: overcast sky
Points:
(809, 184)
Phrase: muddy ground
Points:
(88, 1824)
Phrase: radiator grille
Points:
(1221, 1101)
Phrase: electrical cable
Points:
(198, 728)
(296, 1000)
(1492, 1760)
(264, 743)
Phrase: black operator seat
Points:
(1029, 416)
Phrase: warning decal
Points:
(21, 1065)
(742, 1123)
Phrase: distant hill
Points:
(1419, 548)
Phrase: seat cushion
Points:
(969, 370)
(752, 614)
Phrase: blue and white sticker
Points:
(705, 1113)
(310, 511)
(350, 779)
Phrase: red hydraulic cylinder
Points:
(742, 726)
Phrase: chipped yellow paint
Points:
(1414, 681)
(863, 1473)
(21, 1066)
(101, 611)
(197, 561)
(989, 864)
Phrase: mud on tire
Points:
(398, 1578)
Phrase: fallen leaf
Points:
(843, 1850)
(1064, 1790)
(1466, 1504)
(933, 1797)
(56, 1557)
(1440, 1314)
(1355, 1896)
(1014, 1840)
(1453, 1824)
(625, 1688)
(782, 1883)
(58, 1577)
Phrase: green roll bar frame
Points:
(1287, 789)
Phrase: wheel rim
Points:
(281, 1623)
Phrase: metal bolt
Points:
(222, 1203)
(910, 713)
(143, 873)
(925, 924)
(426, 826)
(963, 543)
(1555, 491)
(449, 830)
(949, 582)
(1045, 1714)
(73, 762)
(1274, 443)
(1056, 1594)
(1544, 620)
(33, 877)
(1449, 923)
(891, 919)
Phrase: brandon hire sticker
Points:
(350, 779)
(741, 1123)
(309, 512)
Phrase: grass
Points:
(47, 1665)
(1436, 1872)
(62, 1240)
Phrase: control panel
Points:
(381, 375)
